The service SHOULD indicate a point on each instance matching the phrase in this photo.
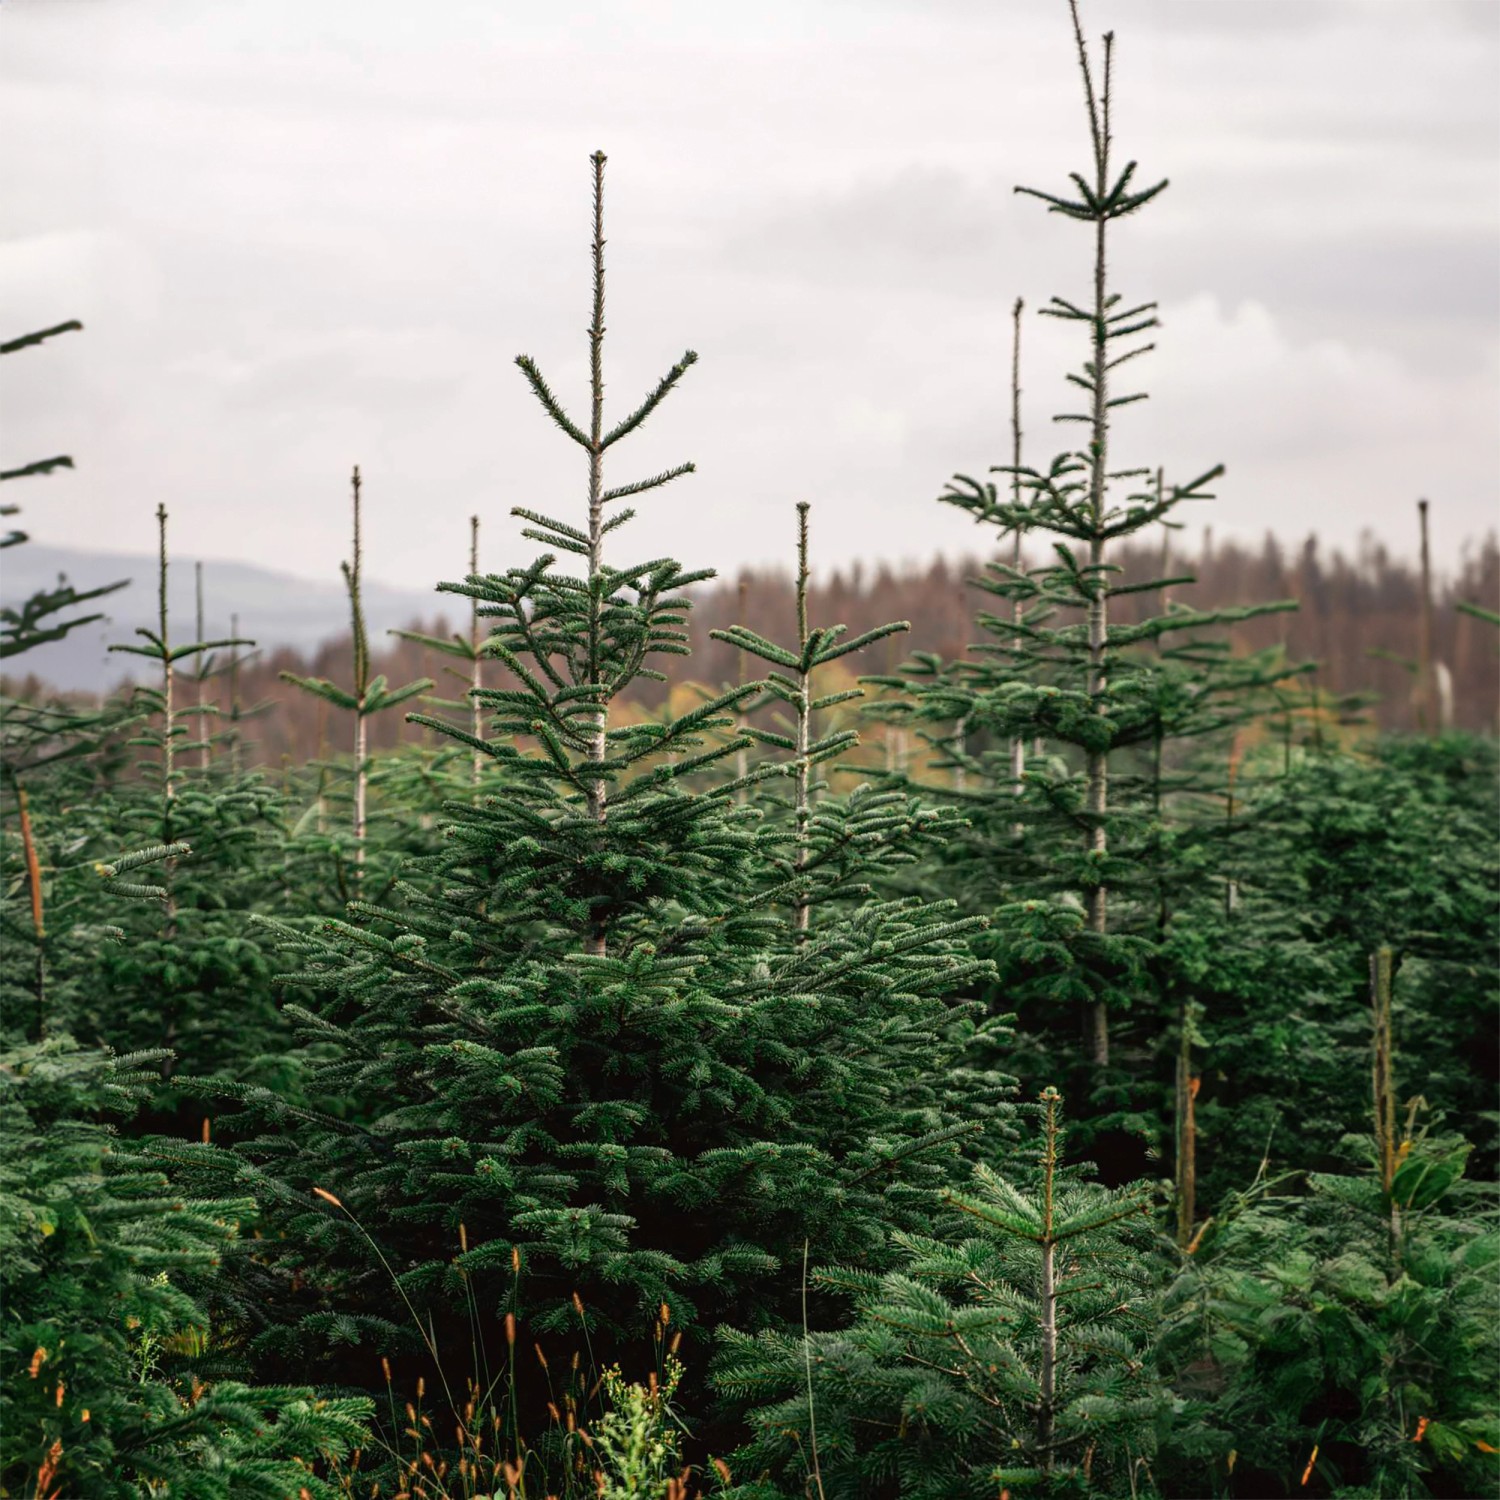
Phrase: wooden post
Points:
(1384, 1084)
(1187, 1130)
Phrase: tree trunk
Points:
(596, 941)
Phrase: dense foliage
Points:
(110, 1323)
(590, 1101)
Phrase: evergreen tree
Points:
(366, 695)
(1092, 828)
(592, 1038)
(189, 977)
(179, 970)
(1013, 1351)
(470, 649)
(33, 734)
(650, 1002)
(1392, 846)
(1346, 1332)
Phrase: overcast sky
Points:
(308, 233)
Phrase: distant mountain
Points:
(274, 609)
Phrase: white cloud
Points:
(1317, 434)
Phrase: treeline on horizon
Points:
(1357, 619)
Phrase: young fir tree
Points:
(164, 730)
(365, 697)
(1342, 1336)
(1346, 853)
(826, 858)
(114, 1381)
(1068, 726)
(189, 978)
(1013, 1351)
(35, 734)
(467, 648)
(181, 971)
(592, 1042)
(831, 846)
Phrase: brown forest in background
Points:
(1357, 618)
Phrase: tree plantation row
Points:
(827, 1066)
(1358, 618)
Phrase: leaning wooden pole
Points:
(1188, 1084)
(361, 681)
(802, 812)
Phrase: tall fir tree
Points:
(1069, 730)
(593, 1040)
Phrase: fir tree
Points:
(469, 648)
(33, 622)
(164, 731)
(592, 1037)
(1346, 1332)
(1013, 1351)
(833, 845)
(1346, 854)
(178, 970)
(35, 734)
(1086, 856)
(366, 695)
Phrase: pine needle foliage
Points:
(1012, 1352)
(589, 1038)
(183, 973)
(1088, 755)
(610, 1024)
(1388, 846)
(1342, 1337)
(106, 1340)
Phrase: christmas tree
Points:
(601, 1039)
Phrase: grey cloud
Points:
(921, 224)
(301, 244)
(347, 377)
(1207, 17)
(936, 230)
